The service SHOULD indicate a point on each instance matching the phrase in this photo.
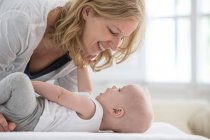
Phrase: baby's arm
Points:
(81, 104)
(84, 82)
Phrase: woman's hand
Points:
(6, 126)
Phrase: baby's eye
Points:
(119, 89)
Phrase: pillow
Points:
(199, 123)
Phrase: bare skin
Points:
(6, 126)
(49, 54)
(109, 35)
(46, 49)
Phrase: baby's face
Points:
(135, 104)
(117, 95)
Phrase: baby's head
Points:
(126, 110)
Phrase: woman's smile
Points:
(98, 48)
(101, 47)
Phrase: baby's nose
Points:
(114, 87)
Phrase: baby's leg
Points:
(17, 99)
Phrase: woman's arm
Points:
(81, 104)
(15, 30)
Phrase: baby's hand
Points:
(6, 126)
(88, 60)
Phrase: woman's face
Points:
(100, 34)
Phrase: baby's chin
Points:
(99, 95)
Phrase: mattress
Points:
(158, 131)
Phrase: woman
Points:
(48, 40)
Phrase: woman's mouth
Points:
(101, 47)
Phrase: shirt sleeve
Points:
(69, 81)
(14, 38)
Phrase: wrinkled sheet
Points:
(158, 131)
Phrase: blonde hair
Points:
(70, 24)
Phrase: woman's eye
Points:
(112, 32)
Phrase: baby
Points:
(124, 110)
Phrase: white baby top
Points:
(61, 119)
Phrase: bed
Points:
(158, 131)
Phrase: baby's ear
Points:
(117, 112)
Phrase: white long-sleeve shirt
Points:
(22, 26)
(61, 119)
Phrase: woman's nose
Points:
(115, 43)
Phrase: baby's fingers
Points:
(11, 126)
(3, 124)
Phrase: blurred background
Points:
(174, 64)
(175, 58)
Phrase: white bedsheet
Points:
(158, 131)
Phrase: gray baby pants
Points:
(18, 101)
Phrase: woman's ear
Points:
(87, 11)
(118, 112)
